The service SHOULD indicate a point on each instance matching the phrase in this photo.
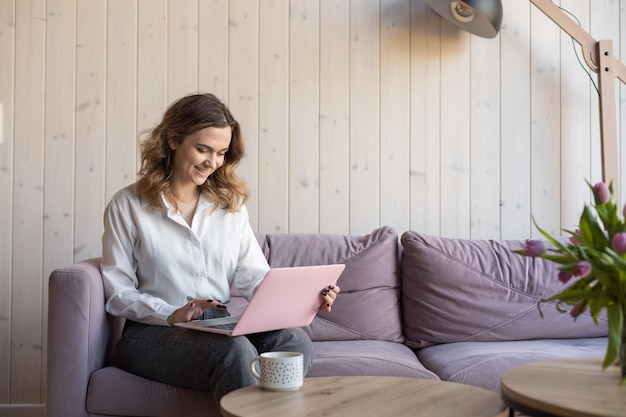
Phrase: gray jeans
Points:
(199, 360)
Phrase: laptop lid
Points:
(287, 297)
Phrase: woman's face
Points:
(198, 155)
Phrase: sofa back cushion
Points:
(368, 306)
(457, 290)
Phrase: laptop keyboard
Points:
(227, 326)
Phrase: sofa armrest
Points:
(78, 335)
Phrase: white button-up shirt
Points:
(153, 262)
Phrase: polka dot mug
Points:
(279, 371)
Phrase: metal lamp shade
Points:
(480, 17)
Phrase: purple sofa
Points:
(420, 306)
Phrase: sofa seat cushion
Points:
(366, 357)
(460, 290)
(483, 363)
(114, 392)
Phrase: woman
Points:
(175, 242)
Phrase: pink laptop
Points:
(287, 297)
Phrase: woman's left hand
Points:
(329, 294)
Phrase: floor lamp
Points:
(484, 17)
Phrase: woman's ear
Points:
(171, 140)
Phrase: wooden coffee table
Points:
(365, 396)
(568, 387)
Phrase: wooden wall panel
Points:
(182, 62)
(304, 116)
(213, 47)
(395, 110)
(273, 156)
(455, 132)
(545, 134)
(515, 121)
(484, 152)
(121, 103)
(59, 139)
(153, 62)
(243, 90)
(7, 65)
(334, 115)
(575, 118)
(90, 130)
(425, 118)
(356, 115)
(364, 113)
(26, 341)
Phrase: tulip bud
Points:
(565, 276)
(619, 243)
(582, 269)
(534, 248)
(578, 309)
(602, 193)
(574, 238)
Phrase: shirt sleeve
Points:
(251, 265)
(118, 269)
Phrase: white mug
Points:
(280, 371)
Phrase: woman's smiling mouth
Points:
(202, 171)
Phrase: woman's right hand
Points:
(193, 309)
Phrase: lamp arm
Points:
(587, 42)
(567, 24)
(599, 57)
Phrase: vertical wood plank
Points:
(90, 128)
(304, 116)
(7, 64)
(484, 138)
(395, 113)
(121, 104)
(334, 116)
(604, 23)
(515, 121)
(455, 128)
(28, 199)
(545, 123)
(59, 142)
(243, 88)
(426, 118)
(577, 137)
(213, 47)
(365, 113)
(273, 147)
(152, 59)
(182, 48)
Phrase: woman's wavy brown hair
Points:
(183, 118)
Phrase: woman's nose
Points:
(211, 162)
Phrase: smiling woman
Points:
(174, 244)
(196, 157)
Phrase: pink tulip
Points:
(578, 309)
(534, 248)
(565, 276)
(619, 243)
(582, 269)
(574, 238)
(603, 194)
